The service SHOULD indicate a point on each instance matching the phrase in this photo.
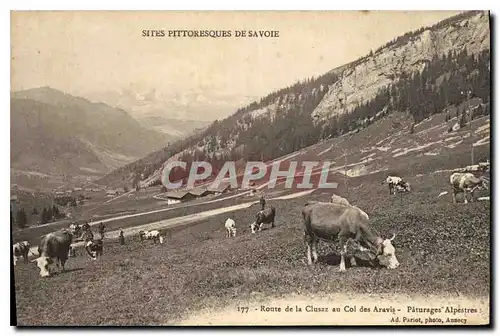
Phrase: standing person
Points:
(102, 229)
(122, 237)
(88, 235)
(86, 227)
(262, 202)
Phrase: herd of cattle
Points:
(327, 221)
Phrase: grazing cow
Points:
(21, 249)
(94, 248)
(230, 226)
(263, 217)
(466, 182)
(154, 234)
(55, 245)
(396, 184)
(330, 221)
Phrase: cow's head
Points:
(406, 185)
(44, 264)
(484, 183)
(254, 227)
(89, 247)
(259, 218)
(142, 234)
(386, 253)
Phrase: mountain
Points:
(58, 134)
(420, 74)
(176, 114)
(176, 128)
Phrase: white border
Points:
(189, 5)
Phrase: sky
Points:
(94, 53)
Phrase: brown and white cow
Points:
(54, 246)
(94, 248)
(466, 182)
(21, 249)
(331, 221)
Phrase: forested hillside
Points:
(433, 76)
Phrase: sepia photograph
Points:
(250, 168)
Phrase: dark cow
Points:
(94, 248)
(55, 245)
(330, 221)
(21, 249)
(263, 217)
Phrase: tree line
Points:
(48, 214)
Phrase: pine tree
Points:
(21, 219)
(43, 217)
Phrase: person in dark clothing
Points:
(85, 227)
(262, 202)
(122, 237)
(102, 229)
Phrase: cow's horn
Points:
(393, 236)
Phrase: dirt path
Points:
(399, 310)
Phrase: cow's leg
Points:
(314, 249)
(308, 239)
(454, 194)
(25, 257)
(343, 250)
(353, 262)
(465, 197)
(272, 223)
(63, 261)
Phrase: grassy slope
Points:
(440, 245)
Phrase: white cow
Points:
(339, 200)
(230, 226)
(396, 183)
(153, 234)
(466, 182)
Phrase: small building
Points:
(180, 196)
(200, 192)
(220, 189)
